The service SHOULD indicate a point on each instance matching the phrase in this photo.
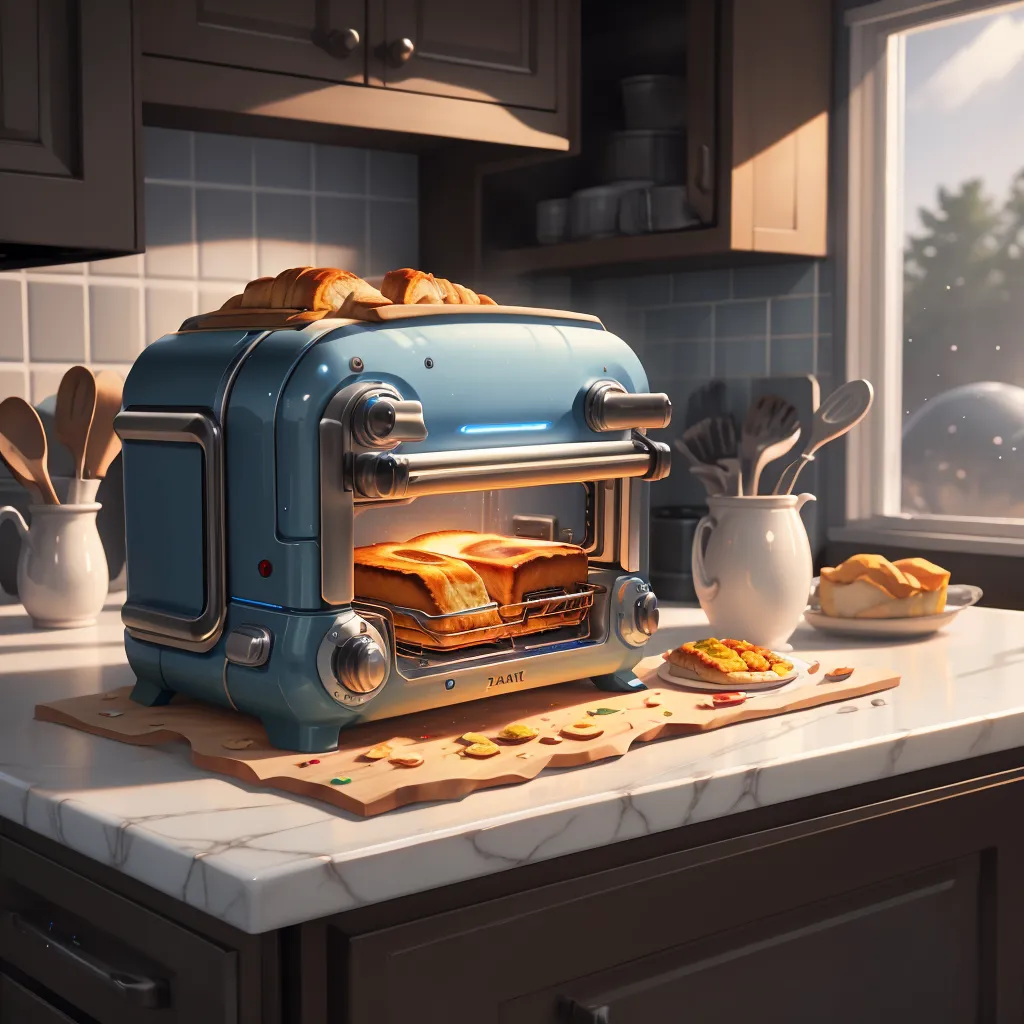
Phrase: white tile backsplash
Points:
(220, 210)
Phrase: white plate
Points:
(958, 597)
(690, 682)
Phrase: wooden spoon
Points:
(23, 446)
(76, 405)
(104, 444)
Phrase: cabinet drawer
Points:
(19, 1006)
(886, 918)
(105, 954)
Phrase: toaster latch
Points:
(248, 646)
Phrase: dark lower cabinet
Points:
(20, 1005)
(894, 902)
(72, 949)
(70, 179)
(908, 910)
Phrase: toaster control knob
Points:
(646, 613)
(360, 665)
(607, 406)
(383, 422)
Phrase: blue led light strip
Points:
(503, 428)
(257, 604)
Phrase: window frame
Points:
(874, 292)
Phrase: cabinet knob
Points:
(400, 51)
(340, 42)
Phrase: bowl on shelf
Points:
(658, 157)
(552, 220)
(654, 102)
(661, 208)
(594, 212)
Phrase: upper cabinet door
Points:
(702, 159)
(323, 39)
(69, 125)
(504, 51)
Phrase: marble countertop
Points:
(261, 860)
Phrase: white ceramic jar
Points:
(62, 569)
(752, 567)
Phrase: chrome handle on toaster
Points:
(387, 476)
(608, 406)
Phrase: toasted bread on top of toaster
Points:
(319, 289)
(511, 567)
(450, 296)
(410, 577)
(407, 287)
(256, 294)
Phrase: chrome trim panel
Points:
(199, 633)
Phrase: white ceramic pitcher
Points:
(62, 569)
(752, 567)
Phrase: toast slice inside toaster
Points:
(511, 567)
(437, 585)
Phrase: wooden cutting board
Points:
(234, 744)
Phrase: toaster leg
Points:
(623, 681)
(287, 734)
(151, 694)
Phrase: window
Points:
(935, 271)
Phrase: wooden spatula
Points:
(76, 405)
(23, 446)
(104, 444)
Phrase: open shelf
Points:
(617, 250)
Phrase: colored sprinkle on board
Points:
(604, 711)
(111, 714)
(724, 700)
(412, 761)
(837, 675)
(667, 714)
(651, 703)
(341, 780)
(481, 750)
(306, 764)
(517, 733)
(582, 731)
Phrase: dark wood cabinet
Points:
(506, 54)
(346, 70)
(322, 39)
(755, 113)
(909, 908)
(20, 1005)
(70, 946)
(69, 132)
(897, 900)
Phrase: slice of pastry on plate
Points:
(714, 661)
(872, 587)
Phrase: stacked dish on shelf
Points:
(642, 170)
